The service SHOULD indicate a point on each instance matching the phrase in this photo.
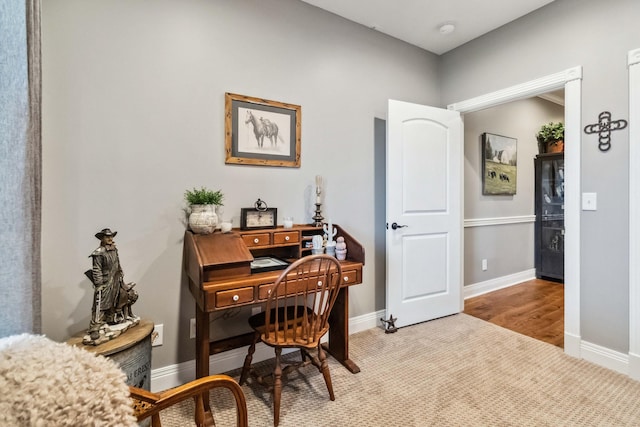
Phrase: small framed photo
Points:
(268, 263)
(261, 132)
(499, 164)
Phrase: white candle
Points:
(318, 188)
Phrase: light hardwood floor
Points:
(534, 308)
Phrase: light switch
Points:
(589, 201)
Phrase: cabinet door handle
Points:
(319, 283)
(256, 240)
(235, 298)
(346, 278)
(286, 238)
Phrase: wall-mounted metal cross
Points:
(604, 127)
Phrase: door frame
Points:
(633, 62)
(571, 80)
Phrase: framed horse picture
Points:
(261, 132)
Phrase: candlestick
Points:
(318, 216)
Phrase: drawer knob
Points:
(256, 240)
(346, 278)
(235, 298)
(286, 238)
(319, 283)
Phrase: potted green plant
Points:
(202, 204)
(551, 138)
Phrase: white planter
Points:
(203, 219)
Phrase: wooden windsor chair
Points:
(297, 316)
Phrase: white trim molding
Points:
(503, 220)
(480, 288)
(633, 57)
(634, 213)
(525, 90)
(605, 357)
(571, 80)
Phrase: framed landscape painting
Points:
(499, 164)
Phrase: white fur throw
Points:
(45, 383)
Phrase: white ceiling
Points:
(418, 21)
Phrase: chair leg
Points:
(324, 368)
(247, 360)
(277, 387)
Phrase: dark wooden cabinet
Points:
(549, 205)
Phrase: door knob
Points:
(395, 226)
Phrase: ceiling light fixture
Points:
(446, 28)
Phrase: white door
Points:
(424, 201)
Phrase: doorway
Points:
(571, 81)
(499, 238)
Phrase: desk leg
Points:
(202, 343)
(202, 352)
(339, 331)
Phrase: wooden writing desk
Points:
(219, 269)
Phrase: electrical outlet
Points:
(484, 265)
(192, 328)
(157, 335)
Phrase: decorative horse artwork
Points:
(263, 127)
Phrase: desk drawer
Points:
(349, 277)
(258, 239)
(286, 237)
(234, 297)
(264, 291)
(292, 288)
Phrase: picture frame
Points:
(268, 263)
(499, 164)
(261, 132)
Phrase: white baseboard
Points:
(480, 288)
(605, 357)
(175, 375)
(634, 366)
(572, 345)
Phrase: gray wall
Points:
(508, 248)
(596, 35)
(134, 115)
(133, 94)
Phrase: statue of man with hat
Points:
(112, 298)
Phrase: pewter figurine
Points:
(111, 312)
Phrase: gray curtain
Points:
(20, 167)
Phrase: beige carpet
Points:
(455, 371)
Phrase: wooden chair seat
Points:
(292, 336)
(297, 316)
